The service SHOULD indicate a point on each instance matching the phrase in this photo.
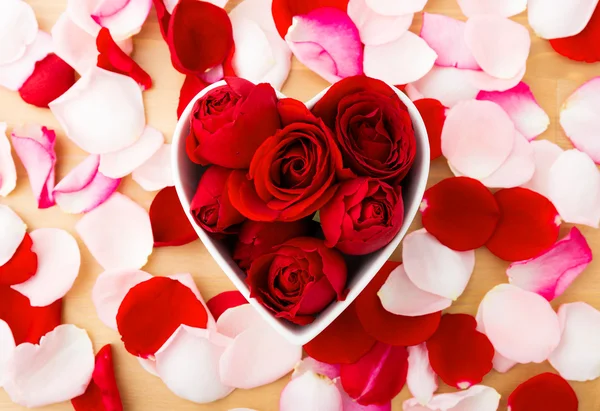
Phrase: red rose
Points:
(211, 207)
(257, 238)
(293, 173)
(230, 122)
(373, 127)
(363, 216)
(298, 279)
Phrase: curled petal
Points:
(449, 85)
(170, 225)
(506, 8)
(155, 174)
(375, 28)
(8, 172)
(421, 380)
(552, 19)
(310, 391)
(224, 301)
(7, 347)
(19, 28)
(545, 154)
(12, 233)
(546, 392)
(476, 398)
(15, 74)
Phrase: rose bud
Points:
(298, 279)
(257, 238)
(372, 127)
(293, 173)
(211, 207)
(363, 216)
(230, 122)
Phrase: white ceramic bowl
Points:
(360, 273)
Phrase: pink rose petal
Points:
(395, 7)
(521, 325)
(238, 319)
(545, 154)
(15, 74)
(523, 109)
(517, 169)
(421, 380)
(121, 163)
(8, 172)
(310, 391)
(310, 364)
(117, 233)
(348, 404)
(7, 347)
(478, 136)
(484, 81)
(500, 363)
(499, 45)
(18, 28)
(446, 36)
(327, 42)
(553, 271)
(99, 95)
(59, 260)
(503, 8)
(374, 28)
(58, 369)
(476, 398)
(574, 188)
(387, 62)
(155, 174)
(11, 234)
(448, 85)
(552, 19)
(74, 45)
(400, 296)
(577, 357)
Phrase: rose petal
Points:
(310, 364)
(22, 265)
(14, 75)
(551, 19)
(238, 319)
(155, 174)
(283, 11)
(545, 154)
(387, 62)
(18, 29)
(582, 46)
(192, 85)
(547, 392)
(118, 233)
(11, 234)
(499, 362)
(396, 8)
(8, 172)
(7, 347)
(518, 168)
(51, 78)
(99, 94)
(476, 398)
(187, 280)
(506, 8)
(375, 28)
(421, 380)
(310, 391)
(74, 45)
(484, 81)
(434, 115)
(170, 225)
(449, 85)
(552, 272)
(224, 301)
(56, 370)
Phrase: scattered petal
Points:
(283, 11)
(155, 174)
(545, 154)
(434, 115)
(51, 78)
(22, 265)
(484, 81)
(224, 301)
(73, 45)
(310, 391)
(7, 347)
(375, 28)
(476, 398)
(238, 319)
(449, 85)
(396, 8)
(310, 364)
(8, 172)
(170, 225)
(552, 19)
(14, 75)
(548, 392)
(582, 46)
(187, 280)
(505, 8)
(12, 233)
(192, 85)
(421, 380)
(518, 168)
(446, 36)
(18, 30)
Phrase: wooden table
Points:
(551, 77)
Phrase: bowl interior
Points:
(361, 270)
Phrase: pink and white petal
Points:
(8, 172)
(58, 259)
(121, 163)
(18, 29)
(258, 11)
(375, 28)
(500, 363)
(499, 45)
(574, 188)
(187, 280)
(446, 36)
(518, 167)
(448, 85)
(350, 404)
(238, 319)
(552, 19)
(110, 289)
(258, 356)
(477, 138)
(155, 174)
(188, 364)
(421, 380)
(476, 398)
(74, 45)
(553, 271)
(387, 62)
(310, 392)
(521, 325)
(15, 74)
(12, 231)
(320, 368)
(149, 365)
(327, 42)
(545, 154)
(58, 369)
(484, 81)
(125, 22)
(425, 257)
(503, 8)
(400, 296)
(217, 73)
(412, 92)
(522, 107)
(99, 94)
(395, 7)
(117, 233)
(35, 147)
(577, 357)
(7, 347)
(580, 118)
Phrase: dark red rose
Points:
(293, 173)
(372, 126)
(298, 279)
(363, 216)
(257, 238)
(230, 122)
(211, 207)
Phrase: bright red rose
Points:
(363, 216)
(372, 126)
(230, 122)
(211, 207)
(293, 173)
(257, 238)
(299, 279)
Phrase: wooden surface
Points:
(551, 77)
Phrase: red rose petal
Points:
(284, 10)
(153, 310)
(548, 392)
(163, 17)
(583, 46)
(51, 78)
(434, 116)
(224, 301)
(344, 341)
(458, 353)
(191, 86)
(387, 327)
(22, 266)
(528, 225)
(112, 58)
(170, 225)
(460, 212)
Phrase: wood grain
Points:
(551, 77)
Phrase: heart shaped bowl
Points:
(362, 269)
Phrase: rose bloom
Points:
(372, 127)
(293, 173)
(211, 207)
(299, 279)
(230, 122)
(363, 216)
